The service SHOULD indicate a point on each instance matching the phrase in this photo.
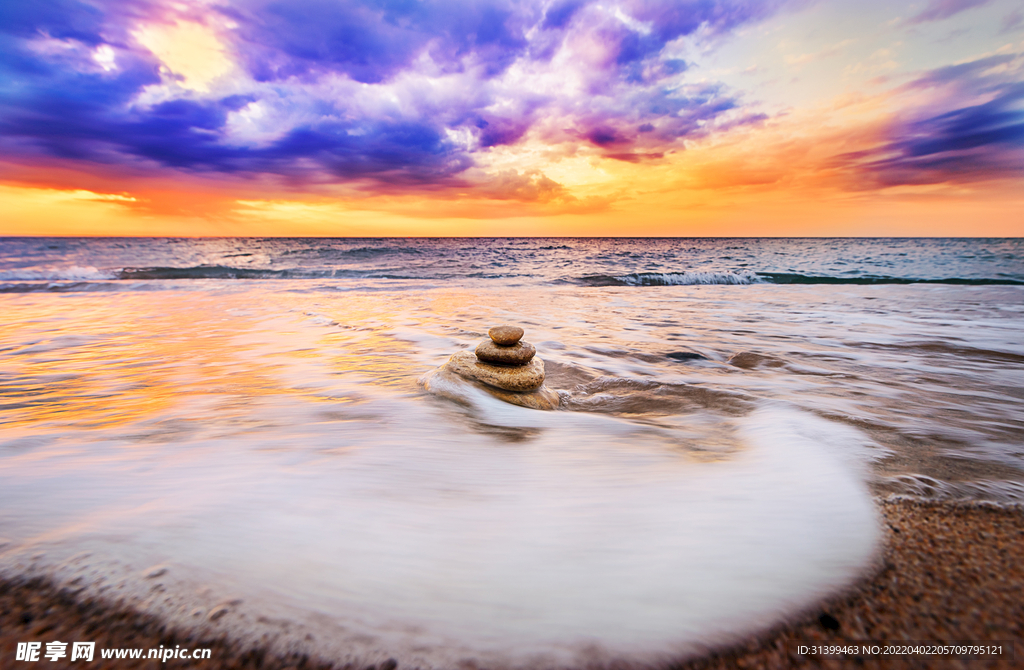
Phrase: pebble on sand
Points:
(519, 353)
(506, 334)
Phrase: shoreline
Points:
(950, 572)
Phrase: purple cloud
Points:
(373, 41)
(966, 76)
(938, 10)
(398, 91)
(1011, 22)
(965, 143)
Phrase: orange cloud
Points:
(793, 175)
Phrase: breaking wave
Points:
(673, 279)
(747, 277)
(72, 274)
(200, 272)
(793, 278)
(226, 272)
(20, 280)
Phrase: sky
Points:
(512, 118)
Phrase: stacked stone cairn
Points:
(505, 366)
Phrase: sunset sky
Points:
(563, 117)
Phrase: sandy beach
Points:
(950, 573)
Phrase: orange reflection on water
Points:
(102, 360)
(99, 360)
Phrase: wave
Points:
(59, 287)
(793, 278)
(200, 272)
(71, 274)
(375, 251)
(227, 272)
(747, 277)
(91, 279)
(69, 279)
(673, 279)
(357, 252)
(1001, 493)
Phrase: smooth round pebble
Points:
(519, 353)
(506, 334)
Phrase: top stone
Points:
(505, 335)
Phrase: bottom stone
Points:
(543, 398)
(522, 378)
(447, 384)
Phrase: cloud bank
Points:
(463, 97)
(399, 93)
(970, 129)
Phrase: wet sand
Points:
(950, 573)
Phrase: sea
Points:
(233, 434)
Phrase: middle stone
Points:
(519, 353)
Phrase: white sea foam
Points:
(917, 486)
(434, 542)
(690, 278)
(54, 274)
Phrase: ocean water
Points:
(232, 433)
